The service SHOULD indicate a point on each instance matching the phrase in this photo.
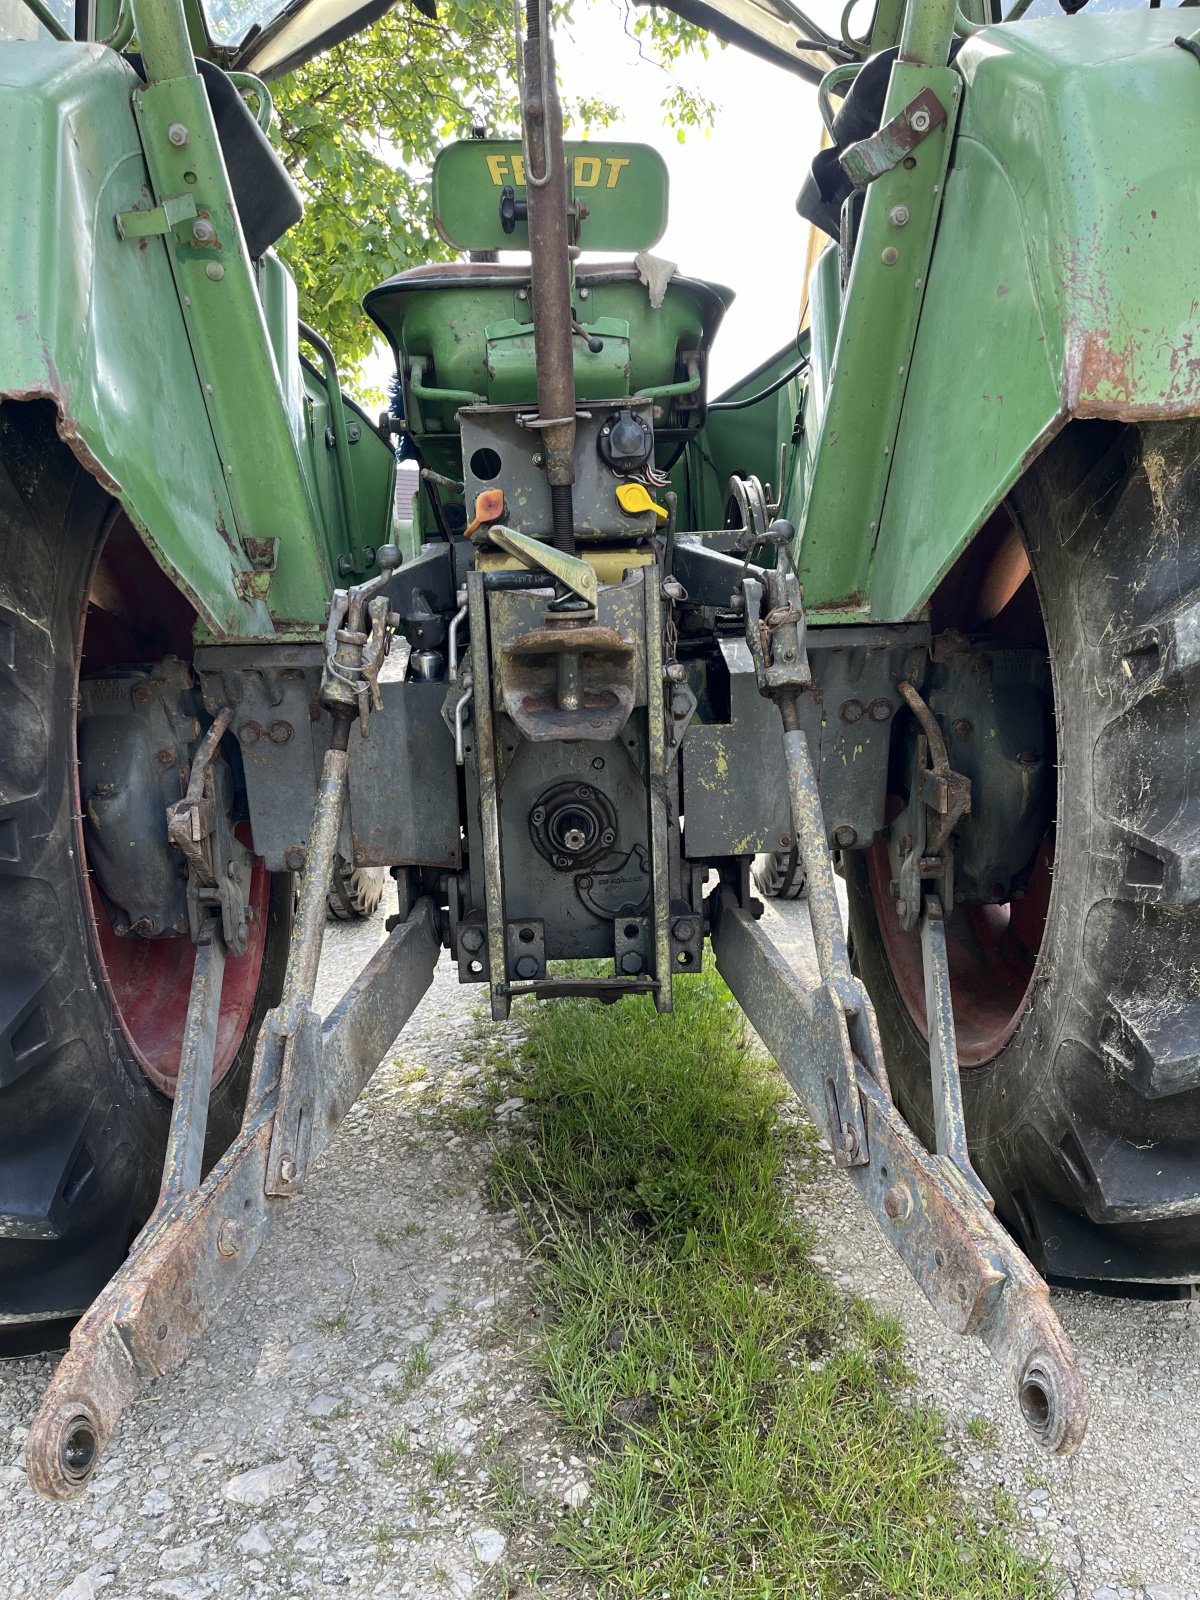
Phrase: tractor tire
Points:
(355, 892)
(82, 1127)
(1084, 1120)
(779, 875)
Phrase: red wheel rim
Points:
(993, 950)
(148, 981)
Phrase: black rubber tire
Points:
(82, 1132)
(355, 892)
(1086, 1125)
(779, 875)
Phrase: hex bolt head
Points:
(631, 963)
(178, 135)
(844, 837)
(287, 1170)
(203, 231)
(919, 121)
(851, 710)
(472, 939)
(898, 216)
(962, 727)
(295, 859)
(165, 756)
(684, 930)
(897, 1202)
(527, 967)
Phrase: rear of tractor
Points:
(916, 601)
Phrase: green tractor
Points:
(916, 603)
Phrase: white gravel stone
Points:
(260, 1484)
(255, 1541)
(155, 1503)
(88, 1584)
(576, 1494)
(487, 1545)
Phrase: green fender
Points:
(1063, 281)
(92, 322)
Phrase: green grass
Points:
(748, 1431)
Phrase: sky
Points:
(733, 188)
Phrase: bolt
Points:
(522, 294)
(890, 256)
(165, 756)
(194, 728)
(472, 939)
(898, 216)
(295, 859)
(585, 294)
(527, 967)
(229, 1239)
(962, 727)
(281, 732)
(597, 763)
(905, 844)
(178, 135)
(631, 963)
(141, 694)
(684, 930)
(144, 927)
(287, 1170)
(203, 231)
(561, 863)
(249, 732)
(897, 1202)
(844, 837)
(919, 121)
(849, 1139)
(215, 271)
(537, 814)
(785, 841)
(538, 458)
(880, 710)
(902, 909)
(1028, 758)
(574, 839)
(121, 929)
(851, 710)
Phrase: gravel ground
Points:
(361, 1421)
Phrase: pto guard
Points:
(126, 407)
(1068, 229)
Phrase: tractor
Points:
(915, 605)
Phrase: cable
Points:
(763, 394)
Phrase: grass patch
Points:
(743, 1418)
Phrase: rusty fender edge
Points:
(151, 1313)
(971, 1271)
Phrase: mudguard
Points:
(92, 321)
(1062, 284)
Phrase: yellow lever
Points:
(634, 498)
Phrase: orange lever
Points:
(489, 507)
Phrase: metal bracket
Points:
(871, 158)
(155, 220)
(949, 1124)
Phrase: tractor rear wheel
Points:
(355, 892)
(1078, 1004)
(779, 874)
(90, 1023)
